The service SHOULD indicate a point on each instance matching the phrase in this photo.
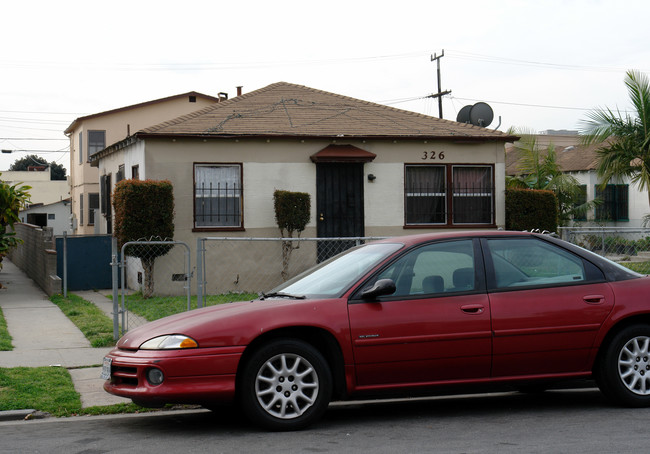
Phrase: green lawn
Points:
(91, 321)
(5, 338)
(161, 306)
(639, 267)
(50, 390)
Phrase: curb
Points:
(15, 415)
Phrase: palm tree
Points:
(626, 138)
(538, 169)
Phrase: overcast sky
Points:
(540, 64)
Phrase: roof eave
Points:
(451, 137)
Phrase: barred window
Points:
(614, 206)
(472, 195)
(449, 194)
(218, 201)
(426, 196)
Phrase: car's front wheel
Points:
(286, 385)
(624, 369)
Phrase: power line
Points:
(28, 138)
(512, 61)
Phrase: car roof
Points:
(410, 240)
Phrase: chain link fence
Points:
(627, 246)
(157, 276)
(230, 269)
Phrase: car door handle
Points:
(594, 299)
(472, 308)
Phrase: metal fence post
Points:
(115, 264)
(199, 272)
(65, 263)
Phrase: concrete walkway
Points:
(44, 336)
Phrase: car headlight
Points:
(168, 342)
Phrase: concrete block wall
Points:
(37, 257)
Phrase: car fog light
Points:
(155, 376)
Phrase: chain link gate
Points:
(153, 274)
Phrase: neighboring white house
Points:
(623, 204)
(53, 215)
(371, 170)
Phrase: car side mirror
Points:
(381, 287)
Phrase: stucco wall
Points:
(43, 190)
(285, 164)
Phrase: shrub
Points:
(144, 211)
(528, 209)
(292, 210)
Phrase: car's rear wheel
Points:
(624, 369)
(286, 385)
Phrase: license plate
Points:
(106, 369)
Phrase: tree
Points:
(57, 170)
(539, 169)
(12, 199)
(144, 211)
(625, 137)
(292, 215)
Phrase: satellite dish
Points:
(463, 115)
(481, 115)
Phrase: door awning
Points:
(342, 153)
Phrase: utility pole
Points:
(440, 93)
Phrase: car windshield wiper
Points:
(281, 295)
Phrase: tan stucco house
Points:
(371, 170)
(92, 133)
(43, 190)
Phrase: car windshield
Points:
(334, 276)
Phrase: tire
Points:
(286, 385)
(623, 373)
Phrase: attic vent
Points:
(192, 98)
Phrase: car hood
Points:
(238, 323)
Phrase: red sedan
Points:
(421, 314)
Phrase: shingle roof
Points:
(284, 109)
(573, 158)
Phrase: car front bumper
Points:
(191, 376)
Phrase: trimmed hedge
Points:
(292, 211)
(144, 210)
(528, 209)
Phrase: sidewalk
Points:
(44, 336)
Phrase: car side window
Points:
(442, 267)
(521, 262)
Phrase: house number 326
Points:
(433, 155)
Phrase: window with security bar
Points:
(449, 195)
(472, 195)
(218, 201)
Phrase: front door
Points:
(339, 205)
